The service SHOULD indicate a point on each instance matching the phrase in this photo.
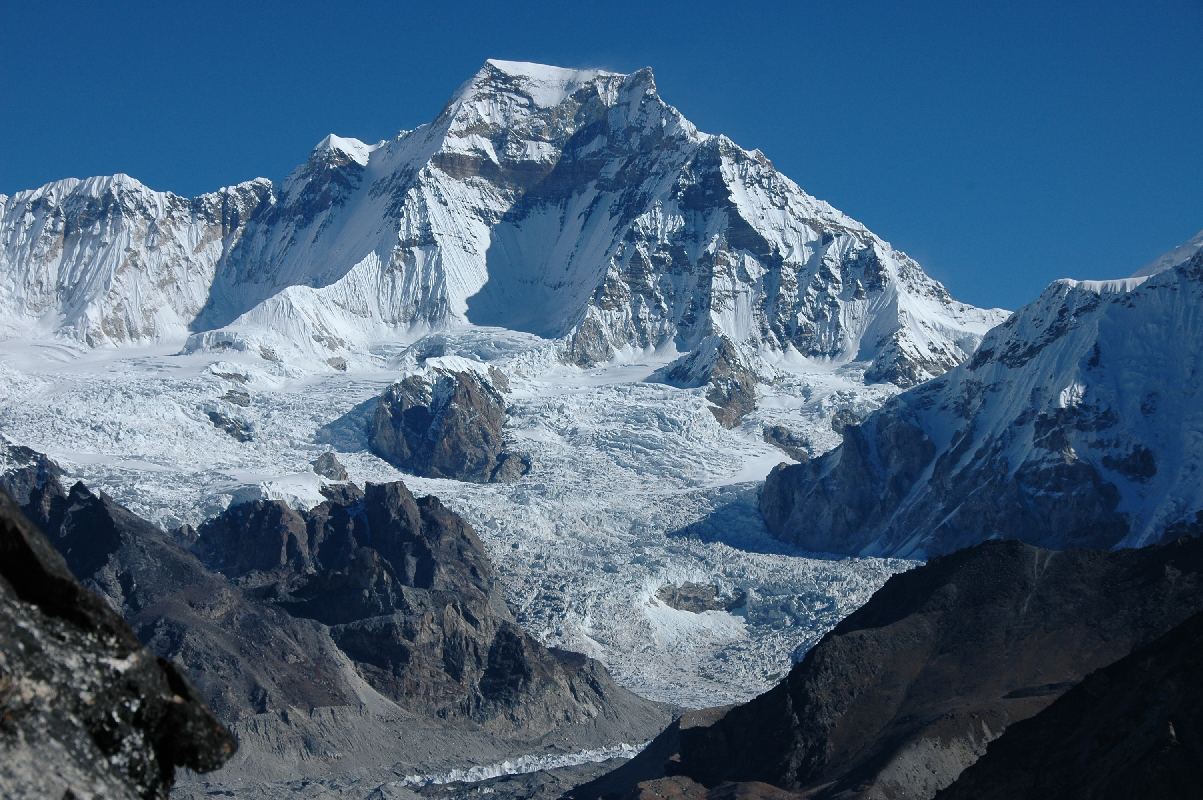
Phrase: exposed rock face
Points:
(185, 612)
(30, 478)
(793, 444)
(719, 365)
(328, 466)
(406, 591)
(85, 710)
(906, 692)
(1077, 423)
(445, 425)
(338, 629)
(1131, 729)
(237, 429)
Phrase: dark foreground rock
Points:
(717, 364)
(369, 634)
(907, 691)
(445, 425)
(1130, 730)
(85, 710)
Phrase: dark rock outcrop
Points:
(1131, 729)
(907, 691)
(30, 478)
(85, 710)
(328, 466)
(717, 364)
(244, 655)
(445, 425)
(237, 429)
(793, 444)
(1075, 424)
(405, 590)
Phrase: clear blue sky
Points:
(1002, 144)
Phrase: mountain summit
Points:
(572, 204)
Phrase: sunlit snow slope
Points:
(574, 205)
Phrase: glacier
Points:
(568, 228)
(635, 485)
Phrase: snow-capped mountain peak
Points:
(544, 86)
(338, 147)
(1076, 423)
(572, 204)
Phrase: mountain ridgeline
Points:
(1076, 423)
(909, 690)
(575, 205)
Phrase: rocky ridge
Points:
(1076, 423)
(908, 690)
(445, 424)
(369, 633)
(1130, 729)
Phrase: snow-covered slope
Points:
(1079, 421)
(572, 204)
(107, 260)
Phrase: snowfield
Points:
(635, 486)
